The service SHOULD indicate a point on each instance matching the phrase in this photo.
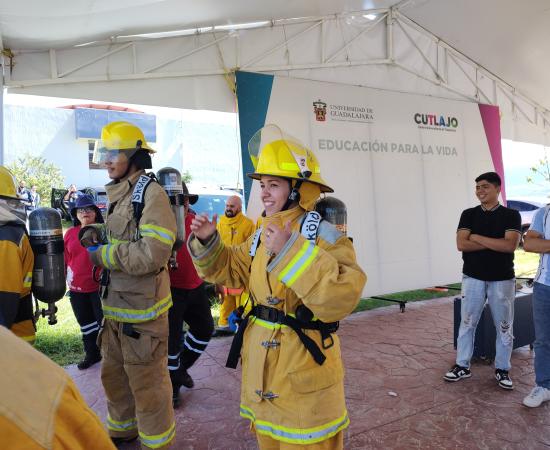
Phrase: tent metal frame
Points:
(398, 27)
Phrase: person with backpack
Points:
(83, 280)
(133, 248)
(190, 305)
(303, 278)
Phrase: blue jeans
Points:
(541, 318)
(501, 296)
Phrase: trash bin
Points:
(484, 344)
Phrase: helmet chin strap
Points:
(294, 195)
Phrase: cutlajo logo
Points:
(434, 120)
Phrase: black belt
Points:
(274, 315)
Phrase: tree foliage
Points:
(541, 169)
(186, 177)
(34, 169)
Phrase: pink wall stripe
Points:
(491, 122)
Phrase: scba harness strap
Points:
(138, 195)
(309, 230)
(277, 316)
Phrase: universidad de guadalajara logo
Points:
(320, 110)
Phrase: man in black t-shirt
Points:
(487, 236)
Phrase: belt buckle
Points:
(273, 315)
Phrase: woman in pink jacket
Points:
(83, 282)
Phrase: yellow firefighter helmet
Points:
(8, 187)
(276, 153)
(120, 137)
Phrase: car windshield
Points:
(210, 204)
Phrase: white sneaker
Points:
(537, 397)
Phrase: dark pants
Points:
(193, 307)
(89, 315)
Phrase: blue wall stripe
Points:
(253, 94)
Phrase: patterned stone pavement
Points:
(395, 393)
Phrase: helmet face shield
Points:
(103, 154)
(295, 159)
(15, 206)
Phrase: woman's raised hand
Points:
(203, 228)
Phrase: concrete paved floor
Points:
(384, 352)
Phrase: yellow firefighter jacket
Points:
(15, 283)
(139, 288)
(285, 393)
(235, 230)
(40, 407)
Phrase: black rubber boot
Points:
(88, 361)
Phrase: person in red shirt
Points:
(190, 305)
(83, 283)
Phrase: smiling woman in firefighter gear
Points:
(133, 248)
(304, 278)
(17, 262)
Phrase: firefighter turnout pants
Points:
(192, 307)
(136, 382)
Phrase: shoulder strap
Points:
(138, 195)
(310, 225)
(255, 242)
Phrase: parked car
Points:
(527, 208)
(59, 203)
(211, 200)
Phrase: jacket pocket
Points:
(316, 378)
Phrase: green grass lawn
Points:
(63, 344)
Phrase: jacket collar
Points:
(228, 221)
(117, 190)
(282, 217)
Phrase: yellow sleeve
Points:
(324, 275)
(76, 425)
(11, 282)
(219, 264)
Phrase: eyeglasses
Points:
(85, 210)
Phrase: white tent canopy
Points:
(183, 53)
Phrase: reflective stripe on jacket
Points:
(284, 392)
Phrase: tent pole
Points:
(2, 62)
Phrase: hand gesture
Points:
(89, 237)
(275, 238)
(203, 228)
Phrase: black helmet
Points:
(192, 197)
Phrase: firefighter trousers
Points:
(192, 307)
(89, 315)
(336, 442)
(136, 381)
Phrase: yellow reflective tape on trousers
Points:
(138, 315)
(27, 281)
(159, 233)
(300, 436)
(124, 425)
(158, 440)
(300, 262)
